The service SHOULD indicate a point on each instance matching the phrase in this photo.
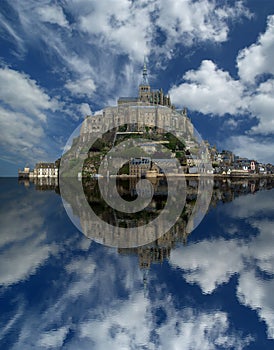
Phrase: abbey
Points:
(147, 95)
(152, 108)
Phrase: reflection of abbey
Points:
(151, 108)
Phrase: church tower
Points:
(146, 94)
(144, 87)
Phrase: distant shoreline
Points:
(225, 176)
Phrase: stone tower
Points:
(144, 87)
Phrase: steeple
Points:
(145, 79)
(144, 88)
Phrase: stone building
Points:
(139, 166)
(44, 170)
(151, 108)
(41, 170)
(142, 115)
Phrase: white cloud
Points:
(251, 147)
(53, 14)
(21, 93)
(262, 248)
(210, 91)
(262, 106)
(103, 33)
(123, 26)
(257, 59)
(22, 136)
(85, 110)
(192, 21)
(131, 26)
(23, 115)
(81, 87)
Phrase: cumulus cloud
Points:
(104, 33)
(26, 257)
(257, 59)
(210, 91)
(126, 25)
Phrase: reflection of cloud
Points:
(124, 327)
(117, 315)
(244, 207)
(200, 331)
(257, 293)
(211, 263)
(81, 271)
(94, 297)
(54, 338)
(22, 240)
(208, 269)
(21, 260)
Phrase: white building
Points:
(45, 170)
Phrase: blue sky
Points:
(61, 60)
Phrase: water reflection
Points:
(211, 289)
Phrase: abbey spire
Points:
(145, 78)
(144, 88)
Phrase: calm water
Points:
(210, 289)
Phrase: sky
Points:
(63, 60)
